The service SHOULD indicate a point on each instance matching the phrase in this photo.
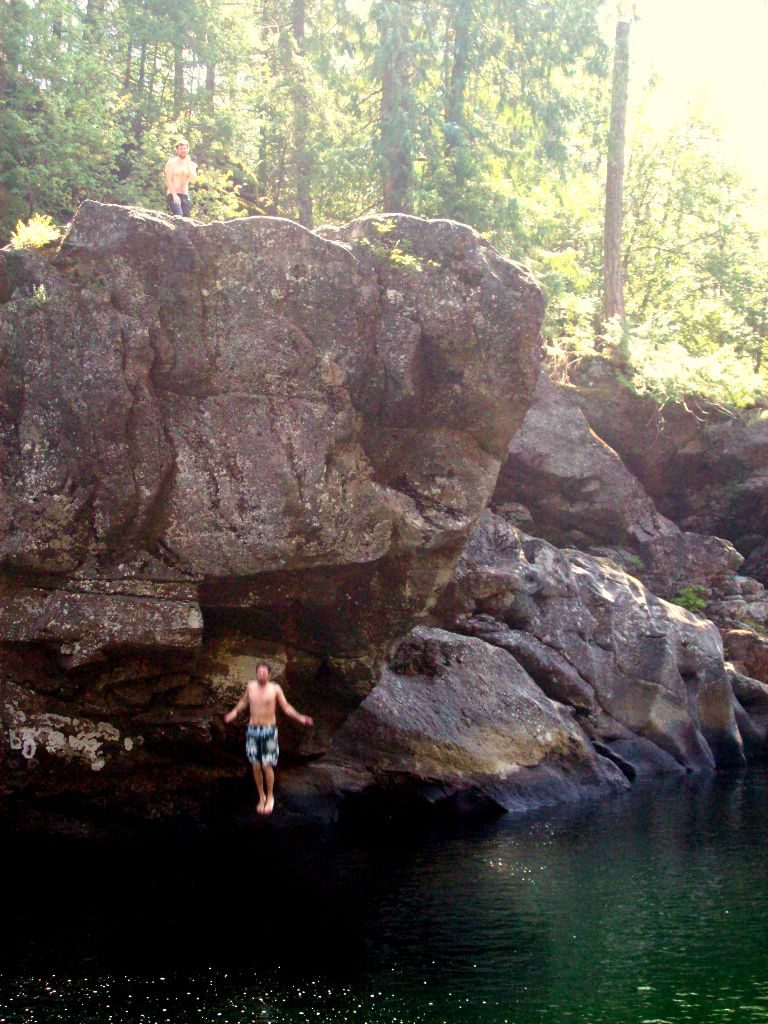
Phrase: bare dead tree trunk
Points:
(613, 278)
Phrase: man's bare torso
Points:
(262, 700)
(179, 173)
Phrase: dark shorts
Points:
(180, 205)
(261, 746)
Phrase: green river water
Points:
(646, 908)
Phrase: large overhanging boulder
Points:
(227, 440)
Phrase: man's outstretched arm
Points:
(290, 710)
(241, 705)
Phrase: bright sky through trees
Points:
(713, 52)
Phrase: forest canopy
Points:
(492, 112)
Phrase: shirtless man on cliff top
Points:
(261, 747)
(180, 173)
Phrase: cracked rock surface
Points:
(705, 468)
(228, 442)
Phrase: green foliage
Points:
(396, 256)
(39, 296)
(393, 251)
(695, 248)
(485, 97)
(696, 258)
(669, 372)
(39, 231)
(693, 597)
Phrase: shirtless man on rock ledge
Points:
(261, 747)
(180, 173)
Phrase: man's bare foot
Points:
(269, 806)
(260, 808)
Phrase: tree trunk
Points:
(128, 76)
(142, 67)
(262, 168)
(57, 28)
(94, 10)
(153, 70)
(455, 126)
(396, 105)
(613, 279)
(302, 153)
(178, 81)
(12, 49)
(274, 207)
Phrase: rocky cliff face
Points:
(631, 666)
(576, 491)
(555, 675)
(238, 441)
(705, 469)
(233, 441)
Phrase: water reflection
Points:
(646, 909)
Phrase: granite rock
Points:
(234, 441)
(579, 493)
(629, 663)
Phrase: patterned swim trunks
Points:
(261, 746)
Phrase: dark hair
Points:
(266, 665)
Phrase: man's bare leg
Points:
(269, 775)
(259, 780)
